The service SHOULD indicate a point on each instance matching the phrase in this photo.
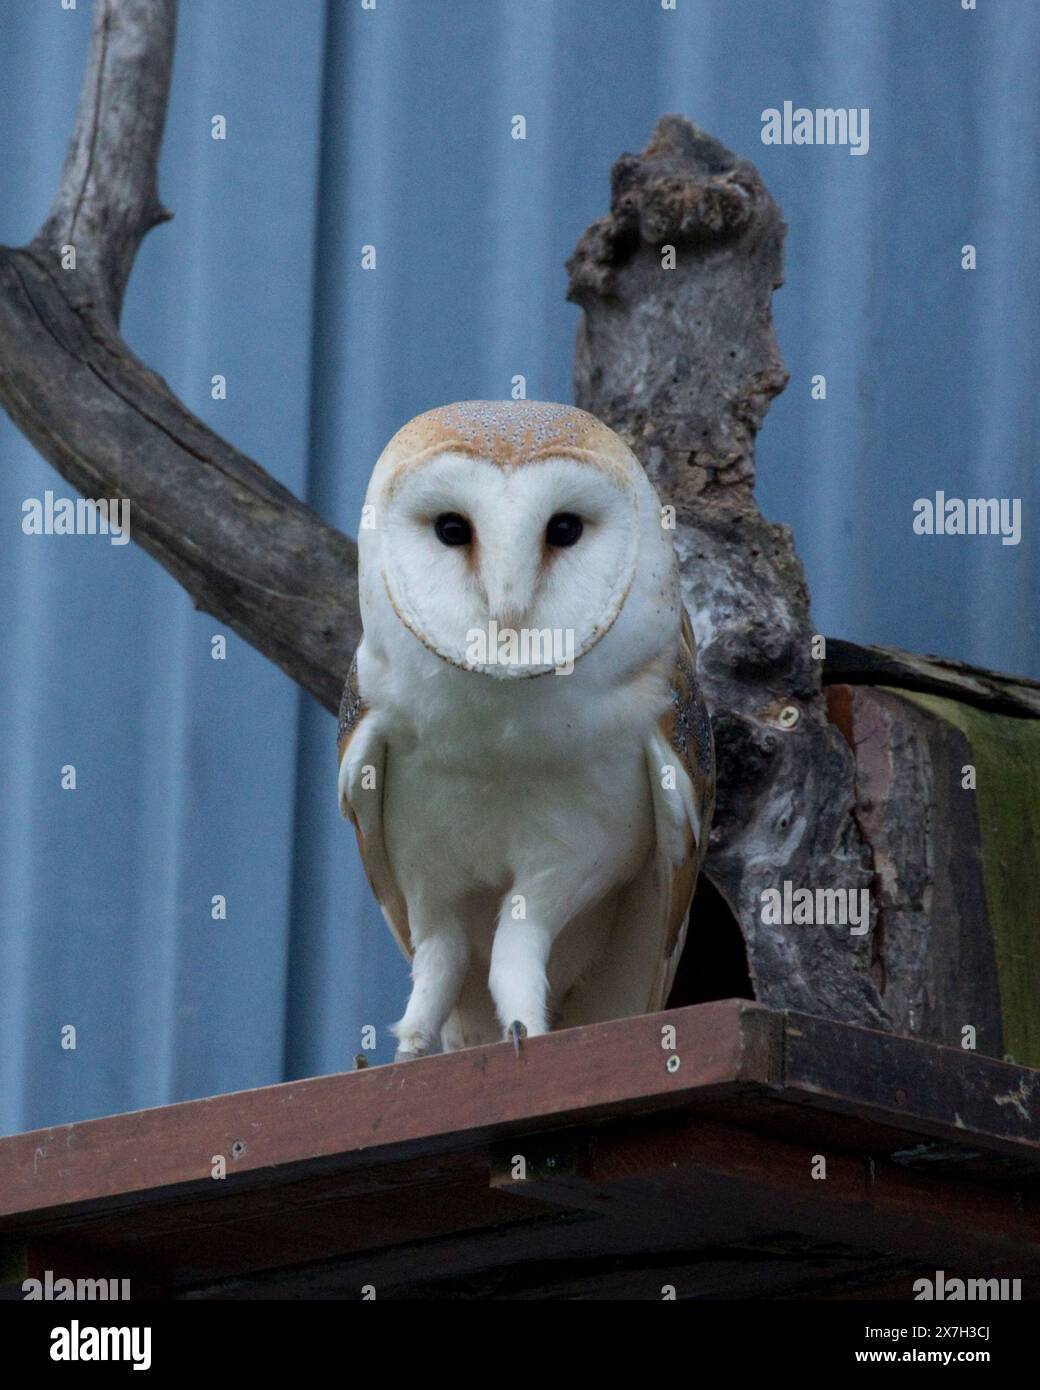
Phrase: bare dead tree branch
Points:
(107, 198)
(243, 546)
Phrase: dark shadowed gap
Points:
(714, 961)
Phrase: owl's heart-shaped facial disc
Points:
(509, 572)
(508, 534)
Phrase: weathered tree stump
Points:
(948, 798)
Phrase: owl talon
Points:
(517, 1032)
(404, 1054)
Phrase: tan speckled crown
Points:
(510, 434)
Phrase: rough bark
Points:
(243, 546)
(107, 199)
(934, 957)
(683, 363)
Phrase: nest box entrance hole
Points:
(714, 962)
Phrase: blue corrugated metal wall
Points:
(392, 127)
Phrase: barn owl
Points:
(523, 750)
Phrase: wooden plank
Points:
(334, 1122)
(928, 1089)
(632, 1169)
(703, 1205)
(33, 1257)
(684, 1169)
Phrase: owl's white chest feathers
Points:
(490, 782)
(493, 782)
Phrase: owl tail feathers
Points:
(469, 1028)
(473, 1022)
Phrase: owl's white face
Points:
(471, 548)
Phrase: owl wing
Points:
(362, 747)
(680, 750)
(635, 970)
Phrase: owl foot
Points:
(410, 1046)
(517, 1032)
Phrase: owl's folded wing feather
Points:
(362, 751)
(681, 761)
(635, 972)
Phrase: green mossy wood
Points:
(1005, 754)
(948, 798)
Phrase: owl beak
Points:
(508, 574)
(505, 604)
(505, 617)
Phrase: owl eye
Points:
(563, 529)
(453, 529)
